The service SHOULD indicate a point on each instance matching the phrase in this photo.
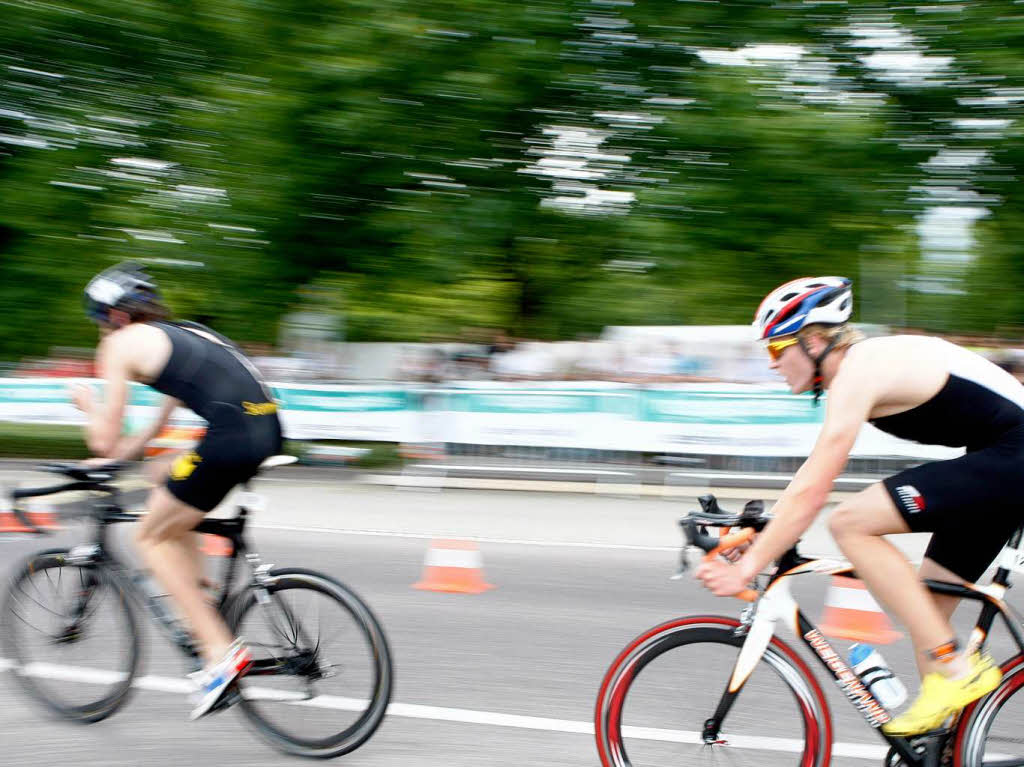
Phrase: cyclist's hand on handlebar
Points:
(82, 397)
(734, 553)
(722, 578)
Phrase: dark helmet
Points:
(126, 287)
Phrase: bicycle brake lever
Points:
(684, 560)
(684, 565)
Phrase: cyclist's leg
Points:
(166, 543)
(946, 603)
(932, 570)
(939, 498)
(858, 525)
(198, 481)
(156, 471)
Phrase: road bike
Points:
(764, 705)
(69, 626)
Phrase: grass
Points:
(39, 440)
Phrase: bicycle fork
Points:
(87, 559)
(758, 623)
(300, 656)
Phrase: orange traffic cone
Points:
(41, 518)
(10, 524)
(216, 546)
(422, 451)
(173, 438)
(852, 613)
(453, 566)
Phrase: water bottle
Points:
(868, 664)
(155, 597)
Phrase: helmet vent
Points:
(845, 305)
(828, 299)
(788, 296)
(786, 312)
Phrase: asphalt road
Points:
(507, 677)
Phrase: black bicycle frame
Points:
(107, 513)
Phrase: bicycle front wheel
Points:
(991, 730)
(322, 673)
(662, 693)
(71, 635)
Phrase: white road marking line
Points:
(298, 481)
(524, 469)
(486, 539)
(439, 713)
(589, 488)
(475, 538)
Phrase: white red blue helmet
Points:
(806, 301)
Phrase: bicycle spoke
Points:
(319, 630)
(297, 632)
(293, 627)
(41, 604)
(94, 603)
(62, 616)
(269, 609)
(32, 626)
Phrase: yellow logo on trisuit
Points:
(259, 408)
(184, 465)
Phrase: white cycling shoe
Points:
(214, 681)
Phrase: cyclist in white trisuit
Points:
(918, 388)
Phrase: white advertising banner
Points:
(732, 419)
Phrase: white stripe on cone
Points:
(852, 599)
(454, 558)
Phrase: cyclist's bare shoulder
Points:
(905, 371)
(141, 350)
(900, 353)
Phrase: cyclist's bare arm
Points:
(132, 446)
(132, 353)
(863, 380)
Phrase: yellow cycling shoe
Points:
(941, 697)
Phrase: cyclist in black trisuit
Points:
(919, 388)
(201, 370)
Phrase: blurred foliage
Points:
(33, 440)
(548, 167)
(64, 442)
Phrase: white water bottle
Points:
(868, 664)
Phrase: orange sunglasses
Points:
(776, 348)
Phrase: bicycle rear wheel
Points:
(991, 731)
(660, 693)
(72, 636)
(322, 673)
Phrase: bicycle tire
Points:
(379, 677)
(625, 670)
(27, 595)
(974, 737)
